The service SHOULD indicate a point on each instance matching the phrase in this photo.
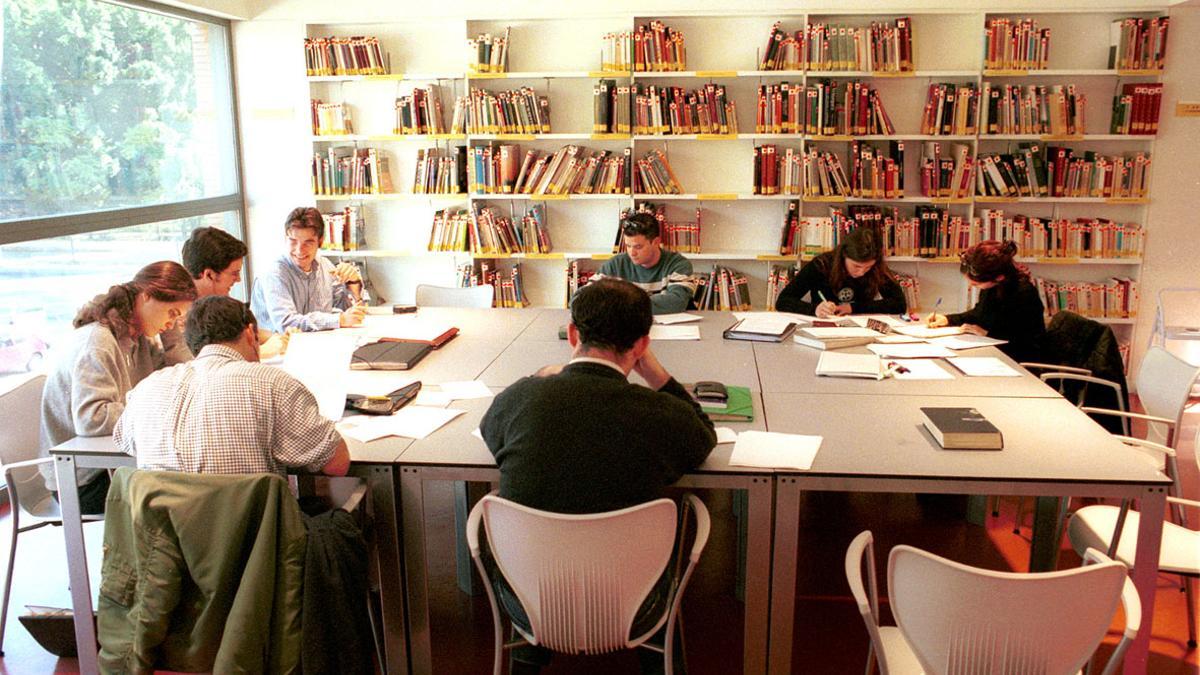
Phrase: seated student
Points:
(851, 279)
(224, 412)
(301, 289)
(112, 348)
(665, 275)
(581, 438)
(1009, 308)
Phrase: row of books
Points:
(1034, 109)
(344, 56)
(778, 173)
(344, 230)
(572, 169)
(878, 47)
(657, 47)
(616, 53)
(824, 175)
(821, 109)
(330, 119)
(348, 171)
(674, 110)
(778, 278)
(1016, 44)
(1059, 172)
(509, 289)
(1057, 237)
(950, 109)
(486, 230)
(576, 279)
(652, 174)
(1136, 108)
(487, 53)
(873, 174)
(722, 289)
(1118, 298)
(1138, 44)
(441, 171)
(420, 112)
(520, 111)
(611, 105)
(946, 170)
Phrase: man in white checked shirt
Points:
(224, 412)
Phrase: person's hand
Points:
(547, 371)
(346, 272)
(974, 330)
(936, 320)
(352, 317)
(651, 370)
(826, 309)
(843, 309)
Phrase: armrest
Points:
(1051, 366)
(863, 545)
(1130, 415)
(1149, 445)
(703, 526)
(473, 520)
(1079, 378)
(1132, 604)
(27, 463)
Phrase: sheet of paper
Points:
(897, 339)
(775, 450)
(669, 319)
(376, 382)
(983, 366)
(925, 332)
(429, 397)
(726, 435)
(411, 421)
(477, 433)
(919, 369)
(918, 350)
(404, 327)
(684, 332)
(459, 391)
(842, 364)
(840, 332)
(890, 319)
(321, 361)
(785, 317)
(966, 341)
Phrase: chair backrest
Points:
(441, 296)
(580, 578)
(1164, 383)
(21, 419)
(959, 619)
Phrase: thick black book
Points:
(962, 429)
(388, 355)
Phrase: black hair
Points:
(989, 260)
(862, 244)
(611, 314)
(644, 224)
(210, 248)
(216, 319)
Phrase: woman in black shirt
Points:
(851, 279)
(1009, 306)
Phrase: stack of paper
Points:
(841, 364)
(321, 361)
(835, 337)
(411, 421)
(925, 332)
(772, 450)
(919, 350)
(674, 332)
(966, 341)
(982, 366)
(670, 319)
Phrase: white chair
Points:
(21, 415)
(1115, 529)
(581, 579)
(1177, 323)
(954, 619)
(478, 297)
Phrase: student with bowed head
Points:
(851, 279)
(1009, 306)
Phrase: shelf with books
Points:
(875, 74)
(548, 137)
(980, 199)
(1066, 137)
(690, 137)
(501, 196)
(350, 138)
(550, 75)
(394, 196)
(389, 77)
(1078, 261)
(1072, 72)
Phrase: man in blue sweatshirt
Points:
(665, 275)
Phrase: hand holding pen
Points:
(935, 320)
(826, 308)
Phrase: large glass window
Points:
(106, 106)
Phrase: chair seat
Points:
(900, 657)
(1093, 526)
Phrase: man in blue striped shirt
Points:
(301, 290)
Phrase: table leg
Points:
(465, 496)
(783, 573)
(386, 535)
(1152, 508)
(77, 569)
(1043, 551)
(760, 498)
(412, 508)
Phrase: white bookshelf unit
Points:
(560, 58)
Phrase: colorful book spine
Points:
(1117, 298)
(1136, 108)
(520, 111)
(350, 171)
(1138, 43)
(331, 119)
(344, 230)
(325, 56)
(420, 112)
(1015, 44)
(878, 47)
(488, 54)
(440, 171)
(657, 47)
(451, 230)
(950, 109)
(1034, 109)
(675, 110)
(617, 52)
(1060, 172)
(652, 174)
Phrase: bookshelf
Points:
(560, 59)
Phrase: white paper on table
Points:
(776, 318)
(458, 391)
(726, 435)
(770, 450)
(411, 421)
(404, 327)
(966, 341)
(925, 332)
(428, 397)
(682, 317)
(658, 332)
(983, 366)
(918, 350)
(919, 369)
(861, 320)
(477, 433)
(897, 339)
(376, 382)
(320, 361)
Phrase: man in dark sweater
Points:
(580, 438)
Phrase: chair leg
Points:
(12, 560)
(995, 506)
(1190, 590)
(1020, 515)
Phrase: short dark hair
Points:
(210, 248)
(644, 224)
(611, 314)
(989, 260)
(306, 218)
(216, 319)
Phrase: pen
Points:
(822, 296)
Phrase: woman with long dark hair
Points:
(1009, 306)
(113, 347)
(851, 279)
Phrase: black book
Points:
(389, 355)
(961, 429)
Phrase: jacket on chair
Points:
(1074, 340)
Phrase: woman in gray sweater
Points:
(113, 347)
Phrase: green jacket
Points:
(201, 572)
